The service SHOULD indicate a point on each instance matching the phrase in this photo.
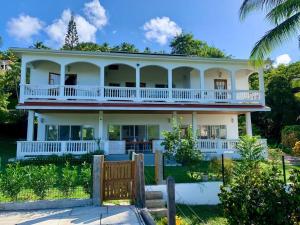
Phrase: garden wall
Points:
(204, 193)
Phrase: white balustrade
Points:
(120, 93)
(186, 95)
(154, 94)
(41, 91)
(40, 148)
(81, 92)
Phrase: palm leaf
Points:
(283, 11)
(249, 6)
(275, 37)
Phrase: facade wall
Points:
(89, 74)
(163, 120)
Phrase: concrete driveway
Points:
(81, 215)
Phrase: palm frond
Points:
(283, 11)
(249, 6)
(275, 37)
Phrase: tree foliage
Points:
(186, 44)
(39, 45)
(284, 15)
(180, 145)
(71, 39)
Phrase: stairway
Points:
(156, 204)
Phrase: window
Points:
(87, 133)
(153, 132)
(161, 86)
(133, 132)
(54, 78)
(114, 84)
(212, 132)
(51, 133)
(69, 132)
(114, 132)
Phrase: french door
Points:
(220, 87)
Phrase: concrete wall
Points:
(163, 120)
(204, 193)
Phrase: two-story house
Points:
(84, 101)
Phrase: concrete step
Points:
(151, 195)
(155, 203)
(159, 212)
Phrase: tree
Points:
(71, 39)
(186, 44)
(181, 146)
(93, 47)
(125, 47)
(283, 14)
(39, 45)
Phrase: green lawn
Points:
(8, 148)
(198, 215)
(181, 174)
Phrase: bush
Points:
(290, 135)
(86, 178)
(259, 198)
(68, 179)
(296, 149)
(41, 179)
(12, 181)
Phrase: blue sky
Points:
(149, 23)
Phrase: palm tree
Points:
(284, 14)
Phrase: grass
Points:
(181, 174)
(198, 215)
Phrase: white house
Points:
(84, 101)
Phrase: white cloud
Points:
(58, 29)
(95, 13)
(161, 29)
(24, 27)
(284, 59)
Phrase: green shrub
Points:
(86, 177)
(68, 179)
(41, 179)
(12, 181)
(290, 135)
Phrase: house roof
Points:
(114, 54)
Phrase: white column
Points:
(202, 80)
(233, 85)
(101, 78)
(30, 125)
(100, 126)
(195, 123)
(170, 82)
(248, 124)
(261, 86)
(62, 81)
(22, 81)
(137, 83)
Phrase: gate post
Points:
(136, 159)
(171, 204)
(142, 182)
(98, 161)
(158, 167)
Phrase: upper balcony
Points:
(69, 78)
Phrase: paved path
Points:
(82, 215)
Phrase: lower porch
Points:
(113, 132)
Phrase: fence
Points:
(46, 179)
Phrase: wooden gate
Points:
(118, 180)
